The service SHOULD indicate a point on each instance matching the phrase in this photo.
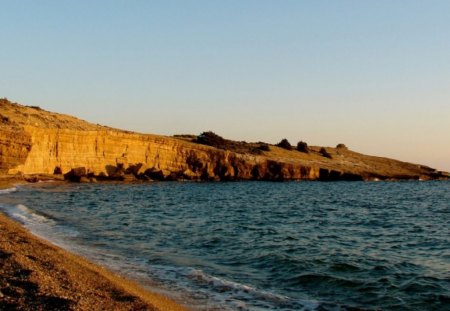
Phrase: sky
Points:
(374, 75)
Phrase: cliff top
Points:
(14, 114)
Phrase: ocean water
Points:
(258, 245)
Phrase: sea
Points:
(257, 245)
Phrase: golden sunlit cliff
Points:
(34, 141)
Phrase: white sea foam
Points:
(27, 216)
(8, 190)
(39, 224)
(210, 291)
(241, 292)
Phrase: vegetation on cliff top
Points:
(285, 144)
(210, 138)
(302, 147)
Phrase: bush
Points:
(285, 144)
(4, 119)
(341, 146)
(264, 147)
(210, 139)
(302, 147)
(35, 107)
(325, 153)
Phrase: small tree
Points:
(285, 144)
(325, 153)
(302, 147)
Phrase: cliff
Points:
(35, 141)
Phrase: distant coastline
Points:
(38, 145)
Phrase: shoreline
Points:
(35, 274)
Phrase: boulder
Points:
(172, 176)
(190, 175)
(57, 171)
(157, 174)
(116, 172)
(137, 169)
(102, 176)
(75, 174)
(31, 178)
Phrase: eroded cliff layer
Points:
(34, 141)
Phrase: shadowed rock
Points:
(76, 174)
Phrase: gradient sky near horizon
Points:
(374, 75)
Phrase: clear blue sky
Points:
(374, 75)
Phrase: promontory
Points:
(37, 144)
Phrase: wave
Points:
(8, 190)
(236, 295)
(40, 224)
(26, 216)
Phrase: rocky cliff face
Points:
(15, 145)
(106, 153)
(34, 141)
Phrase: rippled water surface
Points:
(259, 245)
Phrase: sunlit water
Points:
(258, 245)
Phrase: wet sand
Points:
(36, 275)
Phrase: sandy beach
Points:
(36, 275)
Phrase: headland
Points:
(37, 145)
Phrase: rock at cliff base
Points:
(75, 174)
(157, 174)
(57, 171)
(190, 175)
(136, 169)
(129, 178)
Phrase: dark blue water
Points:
(259, 245)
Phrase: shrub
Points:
(264, 147)
(302, 147)
(210, 139)
(285, 144)
(35, 107)
(256, 151)
(4, 119)
(325, 153)
(341, 146)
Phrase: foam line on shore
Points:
(58, 272)
(8, 190)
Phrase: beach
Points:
(36, 275)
